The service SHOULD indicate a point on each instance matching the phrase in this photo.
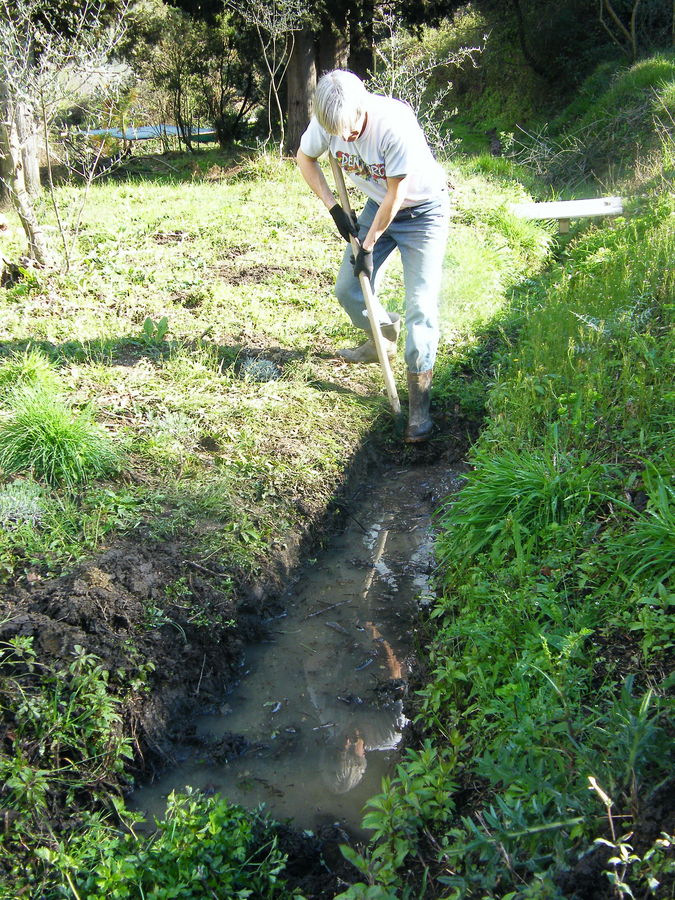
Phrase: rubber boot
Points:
(367, 353)
(419, 402)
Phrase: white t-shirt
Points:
(392, 145)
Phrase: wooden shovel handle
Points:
(367, 290)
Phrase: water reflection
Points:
(353, 726)
(315, 723)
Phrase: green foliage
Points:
(204, 847)
(637, 83)
(606, 372)
(65, 736)
(618, 119)
(43, 437)
(418, 797)
(646, 552)
(155, 332)
(31, 367)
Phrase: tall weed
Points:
(646, 552)
(31, 367)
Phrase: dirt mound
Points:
(123, 607)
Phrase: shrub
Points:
(21, 504)
(205, 847)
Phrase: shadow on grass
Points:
(173, 166)
(463, 373)
(125, 351)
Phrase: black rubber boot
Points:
(419, 402)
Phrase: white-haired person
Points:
(380, 145)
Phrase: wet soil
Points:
(108, 606)
(320, 710)
(117, 606)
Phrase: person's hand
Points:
(363, 263)
(345, 224)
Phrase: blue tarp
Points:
(148, 132)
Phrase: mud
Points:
(108, 606)
(118, 607)
(172, 237)
(320, 710)
(258, 273)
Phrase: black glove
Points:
(363, 263)
(345, 224)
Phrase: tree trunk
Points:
(10, 148)
(529, 57)
(361, 41)
(28, 137)
(5, 169)
(333, 46)
(300, 84)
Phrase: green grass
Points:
(179, 284)
(619, 132)
(550, 641)
(30, 367)
(42, 437)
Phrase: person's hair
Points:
(339, 101)
(342, 769)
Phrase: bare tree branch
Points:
(42, 65)
(275, 23)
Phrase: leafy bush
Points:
(43, 437)
(204, 847)
(64, 738)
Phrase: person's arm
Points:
(313, 175)
(396, 188)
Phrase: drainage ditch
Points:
(318, 713)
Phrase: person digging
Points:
(378, 142)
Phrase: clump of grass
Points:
(43, 437)
(516, 495)
(647, 552)
(29, 367)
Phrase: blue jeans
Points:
(421, 234)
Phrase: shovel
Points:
(368, 296)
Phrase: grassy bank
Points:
(547, 766)
(173, 430)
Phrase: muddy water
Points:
(319, 712)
